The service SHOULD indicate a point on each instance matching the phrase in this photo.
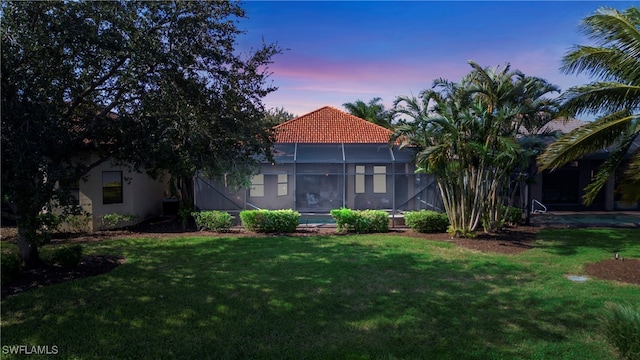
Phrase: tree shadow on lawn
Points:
(569, 241)
(284, 297)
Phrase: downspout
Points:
(344, 178)
(295, 176)
(393, 188)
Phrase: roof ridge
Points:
(330, 125)
(302, 116)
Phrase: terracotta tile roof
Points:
(329, 125)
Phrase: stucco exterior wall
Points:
(141, 195)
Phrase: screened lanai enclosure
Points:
(315, 178)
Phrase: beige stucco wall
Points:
(142, 196)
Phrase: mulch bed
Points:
(91, 265)
(627, 270)
(509, 241)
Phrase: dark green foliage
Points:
(513, 216)
(115, 220)
(361, 221)
(373, 111)
(213, 220)
(270, 221)
(10, 266)
(621, 326)
(185, 213)
(67, 256)
(185, 98)
(427, 221)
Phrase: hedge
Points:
(270, 221)
(361, 221)
(219, 221)
(427, 221)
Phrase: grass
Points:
(333, 297)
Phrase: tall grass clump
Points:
(219, 221)
(361, 221)
(621, 327)
(427, 221)
(270, 221)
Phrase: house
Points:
(116, 189)
(324, 160)
(562, 189)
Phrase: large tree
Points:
(157, 85)
(614, 62)
(373, 111)
(465, 134)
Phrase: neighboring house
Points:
(110, 189)
(563, 188)
(324, 160)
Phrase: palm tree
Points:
(373, 111)
(278, 115)
(465, 134)
(614, 96)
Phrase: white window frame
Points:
(380, 179)
(283, 184)
(359, 186)
(257, 186)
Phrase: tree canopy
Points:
(157, 85)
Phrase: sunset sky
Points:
(339, 51)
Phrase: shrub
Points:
(270, 221)
(67, 256)
(361, 221)
(76, 223)
(10, 266)
(185, 213)
(513, 216)
(114, 220)
(459, 233)
(427, 221)
(621, 327)
(213, 220)
(344, 218)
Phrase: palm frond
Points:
(614, 61)
(586, 139)
(607, 169)
(629, 185)
(600, 96)
(609, 27)
(606, 64)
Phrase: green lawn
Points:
(333, 297)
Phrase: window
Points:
(359, 179)
(282, 185)
(257, 186)
(380, 179)
(112, 187)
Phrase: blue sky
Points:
(342, 51)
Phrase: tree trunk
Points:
(187, 191)
(28, 252)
